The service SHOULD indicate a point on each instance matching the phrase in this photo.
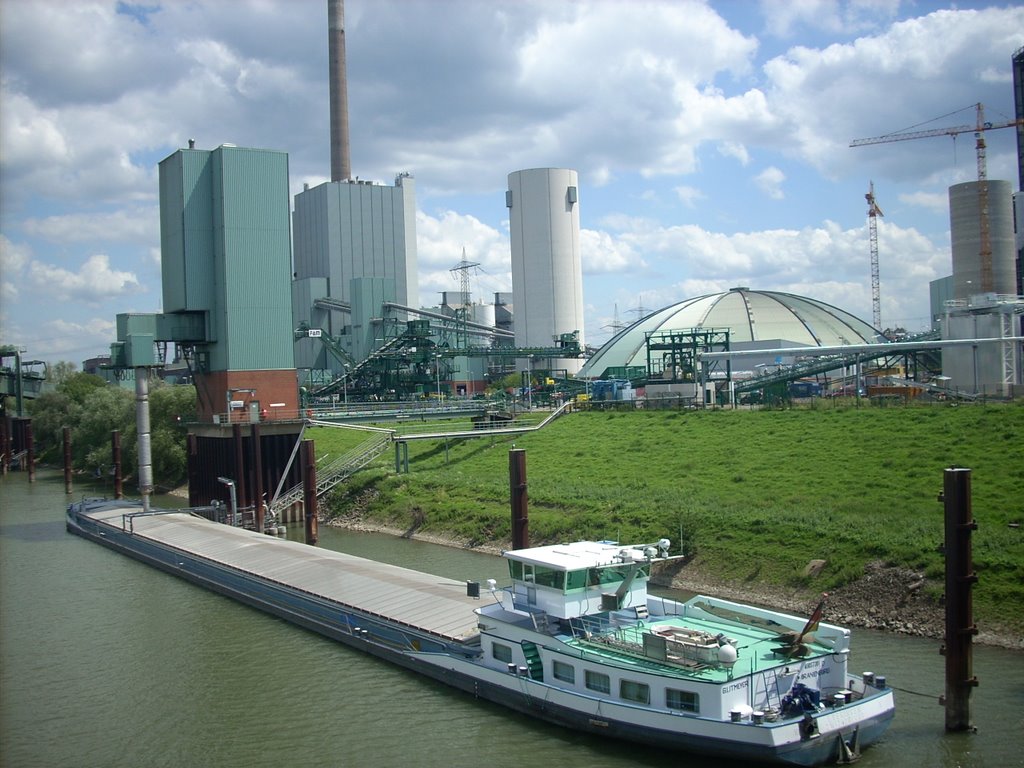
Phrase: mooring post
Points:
(66, 432)
(257, 470)
(5, 443)
(309, 491)
(30, 451)
(115, 456)
(195, 473)
(960, 580)
(517, 487)
(240, 484)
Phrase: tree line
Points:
(93, 409)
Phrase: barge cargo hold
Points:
(575, 640)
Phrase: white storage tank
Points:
(484, 315)
(965, 230)
(547, 276)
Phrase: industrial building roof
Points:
(750, 316)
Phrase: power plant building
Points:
(346, 231)
(547, 276)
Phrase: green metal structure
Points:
(672, 356)
(24, 380)
(226, 250)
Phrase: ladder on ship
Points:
(533, 661)
(770, 680)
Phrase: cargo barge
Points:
(575, 639)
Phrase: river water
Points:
(108, 662)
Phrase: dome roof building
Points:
(754, 319)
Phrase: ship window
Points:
(630, 690)
(682, 700)
(564, 672)
(501, 652)
(575, 580)
(515, 569)
(548, 577)
(597, 681)
(616, 574)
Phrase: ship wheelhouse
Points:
(572, 580)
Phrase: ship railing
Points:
(128, 518)
(586, 627)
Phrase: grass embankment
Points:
(754, 495)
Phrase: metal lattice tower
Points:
(616, 324)
(463, 268)
(876, 288)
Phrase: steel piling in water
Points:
(115, 452)
(960, 580)
(309, 491)
(30, 451)
(66, 435)
(257, 471)
(518, 487)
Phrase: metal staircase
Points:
(533, 661)
(337, 471)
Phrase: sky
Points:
(711, 139)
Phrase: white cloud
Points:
(135, 225)
(29, 136)
(832, 95)
(785, 17)
(13, 259)
(826, 262)
(93, 283)
(688, 196)
(934, 201)
(770, 182)
(600, 252)
(736, 150)
(63, 339)
(441, 242)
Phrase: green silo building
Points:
(226, 257)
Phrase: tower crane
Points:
(978, 129)
(876, 291)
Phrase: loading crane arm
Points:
(331, 344)
(978, 129)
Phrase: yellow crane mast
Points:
(978, 129)
(876, 285)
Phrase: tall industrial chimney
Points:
(341, 164)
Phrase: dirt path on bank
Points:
(886, 598)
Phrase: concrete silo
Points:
(965, 228)
(547, 276)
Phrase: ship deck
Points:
(417, 600)
(624, 646)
